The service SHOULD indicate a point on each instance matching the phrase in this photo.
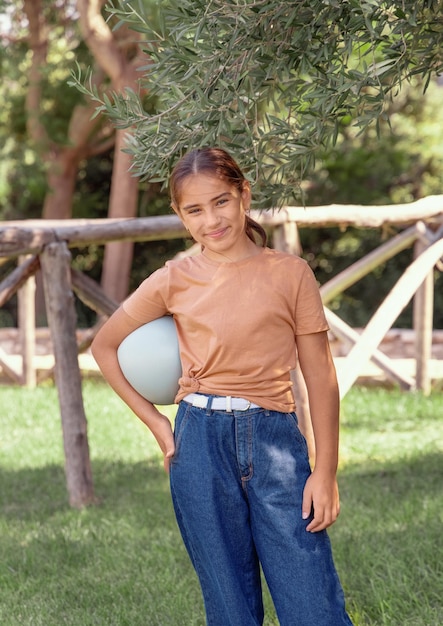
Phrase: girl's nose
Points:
(212, 218)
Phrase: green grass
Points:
(122, 561)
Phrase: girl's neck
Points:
(250, 249)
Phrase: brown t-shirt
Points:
(236, 322)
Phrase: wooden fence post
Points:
(286, 238)
(55, 263)
(26, 325)
(423, 322)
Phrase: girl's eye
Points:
(193, 211)
(222, 201)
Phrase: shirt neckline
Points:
(204, 259)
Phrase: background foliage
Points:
(273, 82)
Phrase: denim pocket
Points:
(181, 420)
(293, 420)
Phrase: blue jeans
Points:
(237, 483)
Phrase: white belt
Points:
(225, 403)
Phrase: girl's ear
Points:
(246, 195)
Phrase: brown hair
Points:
(214, 162)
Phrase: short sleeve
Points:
(148, 302)
(309, 313)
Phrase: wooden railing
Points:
(45, 245)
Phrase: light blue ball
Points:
(149, 358)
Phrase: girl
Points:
(242, 488)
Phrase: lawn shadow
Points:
(108, 564)
(386, 542)
(412, 477)
(42, 491)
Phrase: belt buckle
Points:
(248, 405)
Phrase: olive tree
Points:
(272, 81)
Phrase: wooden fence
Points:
(46, 245)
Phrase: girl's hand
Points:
(161, 428)
(321, 498)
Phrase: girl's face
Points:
(213, 211)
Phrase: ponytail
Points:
(253, 227)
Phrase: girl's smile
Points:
(218, 233)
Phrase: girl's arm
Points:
(321, 490)
(104, 350)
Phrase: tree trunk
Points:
(117, 261)
(61, 178)
(118, 54)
